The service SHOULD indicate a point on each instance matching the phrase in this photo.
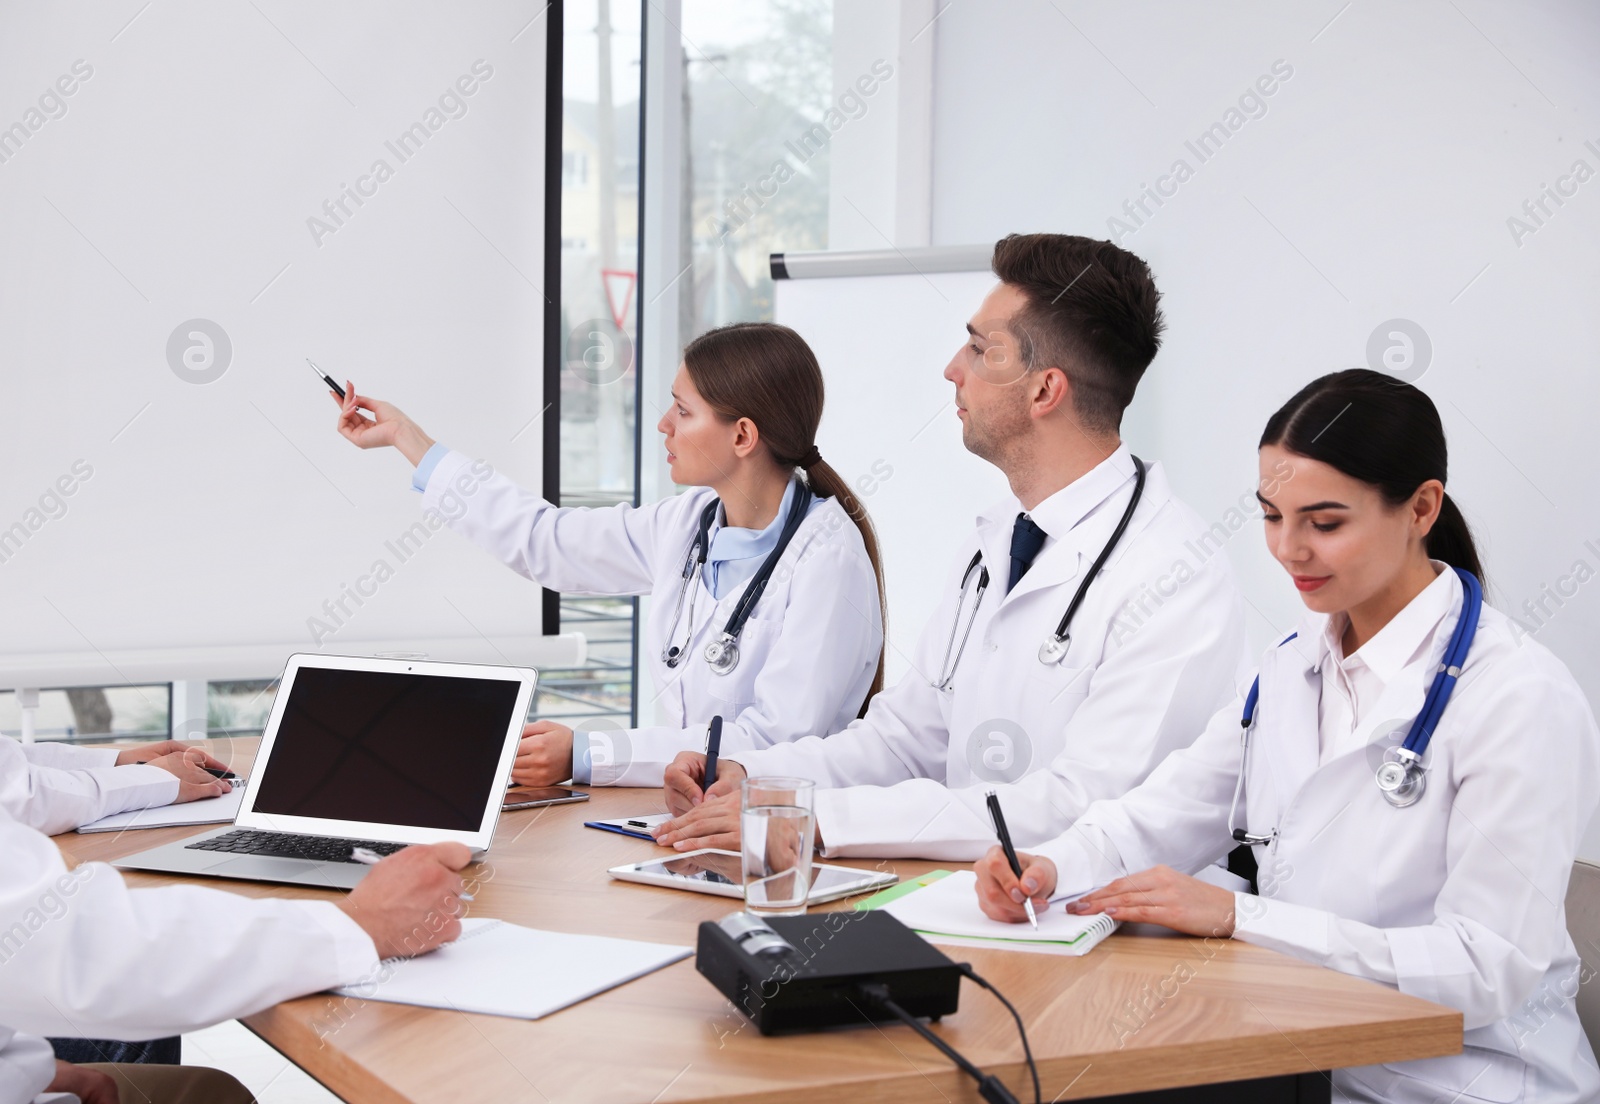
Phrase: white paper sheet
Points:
(210, 810)
(503, 969)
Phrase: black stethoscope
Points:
(1401, 777)
(722, 654)
(1055, 645)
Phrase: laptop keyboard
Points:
(286, 845)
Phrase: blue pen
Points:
(713, 748)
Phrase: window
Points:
(759, 78)
(92, 713)
(601, 73)
(574, 165)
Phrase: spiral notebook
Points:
(943, 907)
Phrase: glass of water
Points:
(777, 827)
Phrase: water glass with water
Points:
(777, 826)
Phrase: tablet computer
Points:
(537, 797)
(712, 871)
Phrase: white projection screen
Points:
(197, 197)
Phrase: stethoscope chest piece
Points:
(1401, 777)
(722, 654)
(1054, 649)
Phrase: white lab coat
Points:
(82, 955)
(56, 787)
(808, 651)
(1457, 899)
(1155, 649)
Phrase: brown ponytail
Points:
(767, 373)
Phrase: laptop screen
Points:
(387, 748)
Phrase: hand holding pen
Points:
(371, 858)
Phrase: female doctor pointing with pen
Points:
(766, 597)
(1414, 776)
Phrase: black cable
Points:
(990, 1087)
(1027, 1051)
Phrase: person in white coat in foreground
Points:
(1456, 897)
(746, 404)
(56, 786)
(1051, 360)
(83, 955)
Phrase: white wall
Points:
(1376, 185)
(879, 180)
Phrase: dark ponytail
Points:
(1382, 431)
(767, 373)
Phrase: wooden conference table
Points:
(1138, 1014)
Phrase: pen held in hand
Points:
(1011, 852)
(713, 749)
(327, 379)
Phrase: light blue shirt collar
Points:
(726, 567)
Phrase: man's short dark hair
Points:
(1092, 310)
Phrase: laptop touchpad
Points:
(257, 868)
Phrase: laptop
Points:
(371, 753)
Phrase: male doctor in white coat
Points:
(83, 955)
(56, 786)
(1052, 359)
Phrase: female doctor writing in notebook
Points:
(1414, 776)
(766, 600)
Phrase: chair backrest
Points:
(1583, 923)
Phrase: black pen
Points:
(1011, 852)
(224, 775)
(713, 749)
(327, 379)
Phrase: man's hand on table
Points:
(188, 765)
(410, 903)
(146, 752)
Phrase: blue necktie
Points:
(1026, 539)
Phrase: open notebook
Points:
(944, 908)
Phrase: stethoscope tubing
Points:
(1053, 649)
(722, 654)
(1402, 765)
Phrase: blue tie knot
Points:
(1026, 540)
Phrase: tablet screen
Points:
(723, 868)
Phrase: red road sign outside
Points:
(617, 282)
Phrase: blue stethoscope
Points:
(722, 654)
(1055, 645)
(1401, 777)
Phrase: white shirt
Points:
(1353, 684)
(808, 652)
(83, 955)
(1457, 899)
(1154, 650)
(56, 787)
